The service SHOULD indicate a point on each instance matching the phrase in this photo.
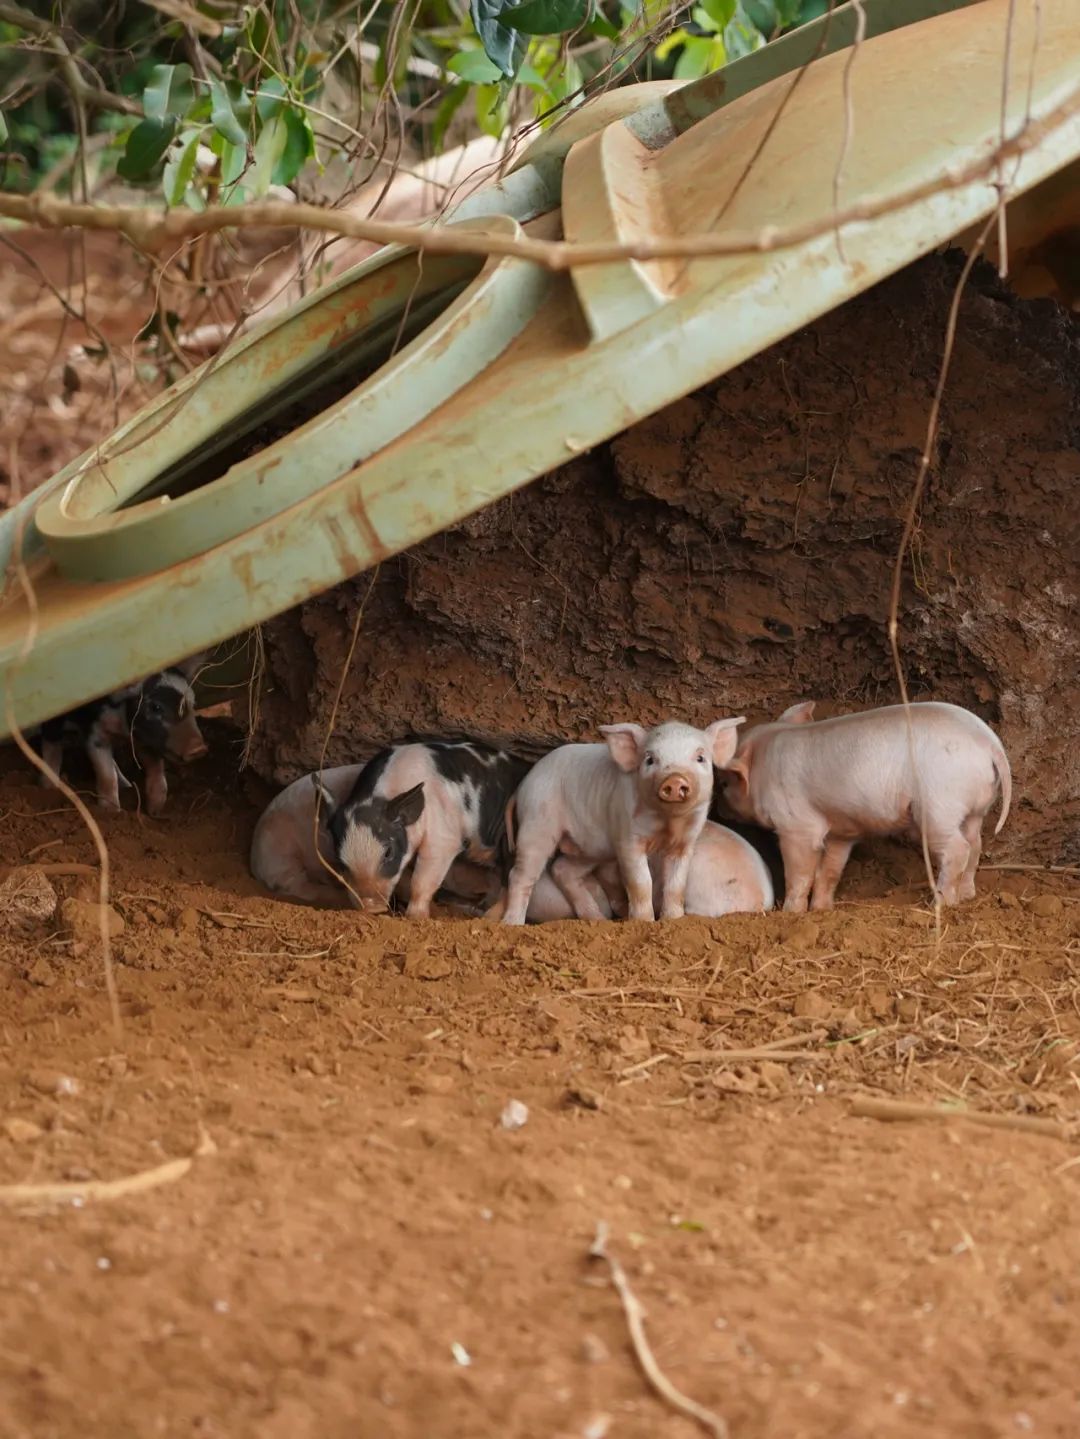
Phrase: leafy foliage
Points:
(236, 99)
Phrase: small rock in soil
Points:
(584, 1098)
(51, 1081)
(804, 935)
(514, 1114)
(26, 899)
(594, 1350)
(811, 1005)
(81, 919)
(41, 972)
(1046, 906)
(22, 1131)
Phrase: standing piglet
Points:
(642, 792)
(823, 785)
(424, 805)
(152, 720)
(727, 876)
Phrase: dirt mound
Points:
(360, 1246)
(734, 552)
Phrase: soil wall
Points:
(733, 553)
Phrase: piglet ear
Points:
(798, 714)
(324, 800)
(626, 743)
(723, 739)
(738, 769)
(408, 807)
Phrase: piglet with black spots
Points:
(151, 720)
(424, 804)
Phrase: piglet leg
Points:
(106, 774)
(973, 835)
(636, 876)
(834, 857)
(800, 854)
(952, 854)
(676, 872)
(433, 860)
(52, 752)
(571, 876)
(157, 788)
(536, 843)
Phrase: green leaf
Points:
(504, 47)
(741, 37)
(169, 91)
(474, 66)
(223, 116)
(546, 17)
(298, 149)
(233, 160)
(3, 129)
(181, 167)
(696, 57)
(530, 76)
(269, 148)
(269, 98)
(811, 10)
(490, 113)
(145, 146)
(720, 13)
(672, 42)
(602, 28)
(764, 15)
(451, 104)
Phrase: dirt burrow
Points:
(734, 553)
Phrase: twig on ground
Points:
(744, 1056)
(635, 1322)
(894, 1110)
(1036, 868)
(13, 1196)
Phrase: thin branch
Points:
(153, 230)
(635, 1322)
(82, 91)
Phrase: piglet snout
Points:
(676, 789)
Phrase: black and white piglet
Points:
(152, 719)
(427, 802)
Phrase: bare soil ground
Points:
(362, 1212)
(359, 1247)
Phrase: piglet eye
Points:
(701, 759)
(648, 760)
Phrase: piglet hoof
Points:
(46, 781)
(673, 911)
(155, 806)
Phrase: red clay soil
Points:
(360, 1248)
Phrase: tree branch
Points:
(81, 90)
(153, 230)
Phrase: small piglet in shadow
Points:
(151, 720)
